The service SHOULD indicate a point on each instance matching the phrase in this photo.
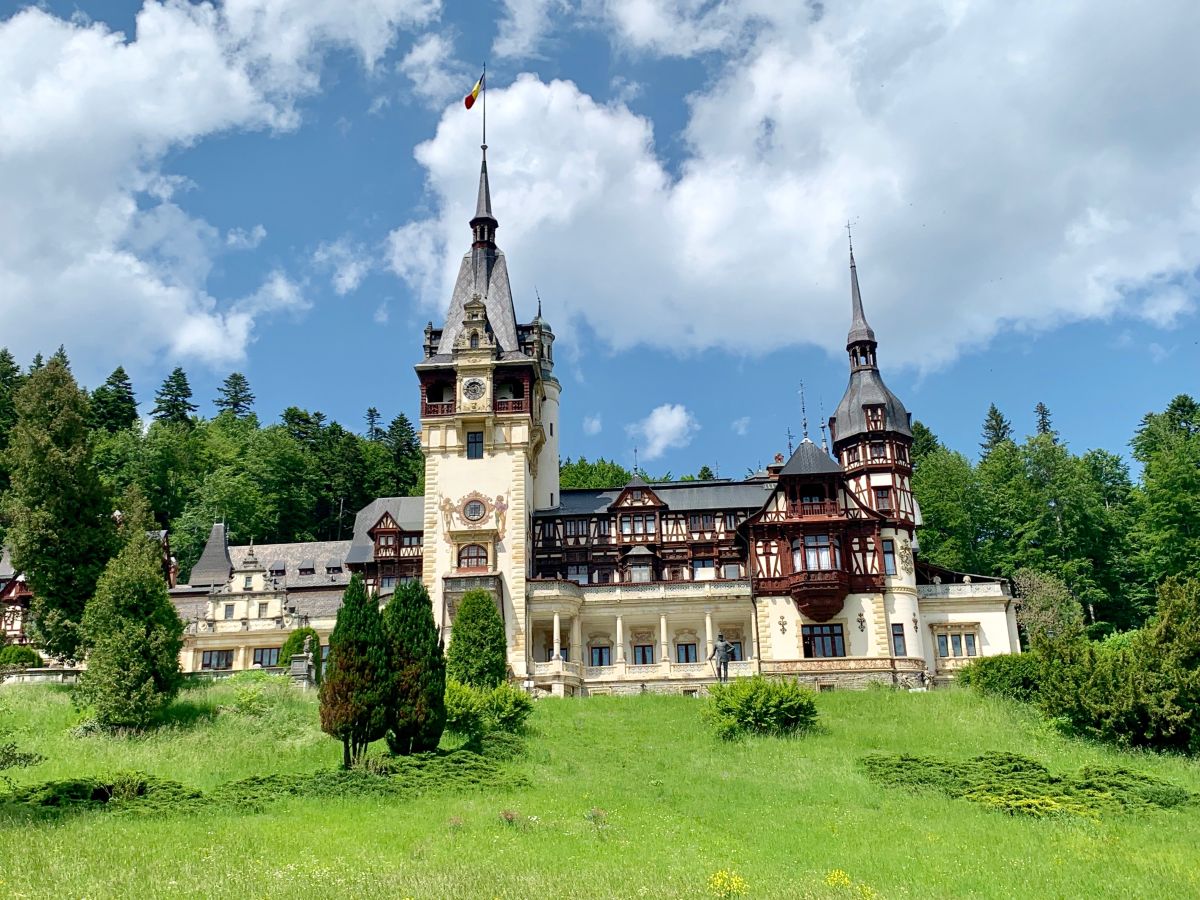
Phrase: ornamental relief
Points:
(474, 511)
(906, 557)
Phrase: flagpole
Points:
(484, 80)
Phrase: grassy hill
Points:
(613, 797)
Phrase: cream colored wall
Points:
(546, 487)
(997, 624)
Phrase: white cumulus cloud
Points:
(667, 427)
(741, 426)
(592, 425)
(1007, 166)
(525, 24)
(347, 262)
(436, 75)
(96, 250)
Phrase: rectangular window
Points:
(577, 573)
(307, 570)
(639, 574)
(822, 641)
(685, 653)
(821, 554)
(736, 653)
(889, 557)
(266, 656)
(412, 540)
(277, 572)
(262, 610)
(562, 652)
(731, 570)
(324, 652)
(577, 528)
(970, 639)
(883, 499)
(387, 582)
(600, 656)
(878, 451)
(216, 659)
(899, 648)
(943, 645)
(694, 522)
(604, 576)
(248, 583)
(703, 569)
(474, 445)
(852, 455)
(731, 521)
(228, 610)
(901, 453)
(643, 654)
(626, 525)
(333, 570)
(956, 644)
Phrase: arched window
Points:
(472, 556)
(474, 340)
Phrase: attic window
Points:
(277, 570)
(333, 570)
(310, 570)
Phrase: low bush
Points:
(464, 711)
(474, 713)
(760, 706)
(506, 708)
(1016, 676)
(17, 656)
(295, 644)
(1018, 785)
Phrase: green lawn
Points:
(675, 806)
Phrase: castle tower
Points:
(489, 423)
(872, 439)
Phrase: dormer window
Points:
(474, 340)
(333, 570)
(874, 417)
(277, 571)
(308, 570)
(248, 583)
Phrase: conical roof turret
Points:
(860, 331)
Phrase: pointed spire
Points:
(859, 329)
(803, 412)
(483, 203)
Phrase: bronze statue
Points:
(723, 651)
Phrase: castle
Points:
(807, 568)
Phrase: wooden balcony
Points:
(429, 410)
(822, 509)
(518, 405)
(819, 594)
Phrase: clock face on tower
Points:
(473, 388)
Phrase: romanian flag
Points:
(469, 100)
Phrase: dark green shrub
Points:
(760, 706)
(295, 644)
(465, 711)
(478, 650)
(19, 657)
(1016, 676)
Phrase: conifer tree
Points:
(374, 432)
(114, 406)
(924, 442)
(477, 654)
(10, 382)
(38, 363)
(417, 701)
(295, 644)
(1042, 413)
(402, 439)
(234, 396)
(705, 474)
(58, 513)
(131, 629)
(173, 402)
(996, 429)
(355, 686)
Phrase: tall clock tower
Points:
(489, 432)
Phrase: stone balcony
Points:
(552, 589)
(962, 591)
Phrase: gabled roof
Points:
(684, 496)
(809, 459)
(408, 513)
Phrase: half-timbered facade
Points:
(807, 568)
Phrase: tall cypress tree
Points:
(173, 402)
(996, 429)
(234, 396)
(477, 654)
(114, 406)
(60, 526)
(417, 702)
(355, 686)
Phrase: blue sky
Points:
(283, 188)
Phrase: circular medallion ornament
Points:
(474, 511)
(473, 388)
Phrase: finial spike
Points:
(803, 412)
(539, 299)
(791, 449)
(821, 407)
(850, 239)
(635, 463)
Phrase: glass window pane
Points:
(970, 644)
(943, 645)
(956, 643)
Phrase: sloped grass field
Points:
(612, 797)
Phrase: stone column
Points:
(664, 642)
(557, 637)
(577, 639)
(620, 641)
(753, 635)
(708, 634)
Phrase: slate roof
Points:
(7, 572)
(678, 496)
(214, 566)
(809, 459)
(866, 388)
(293, 557)
(409, 513)
(859, 329)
